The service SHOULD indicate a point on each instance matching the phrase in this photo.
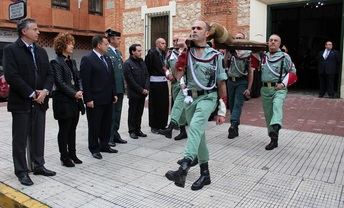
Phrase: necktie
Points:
(33, 55)
(103, 59)
(327, 53)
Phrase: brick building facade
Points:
(303, 25)
(53, 16)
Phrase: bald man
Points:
(158, 94)
(278, 72)
(206, 87)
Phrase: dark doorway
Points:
(159, 29)
(304, 29)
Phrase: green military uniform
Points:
(237, 83)
(117, 62)
(177, 113)
(204, 100)
(273, 100)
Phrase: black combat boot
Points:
(182, 134)
(233, 131)
(204, 179)
(179, 176)
(273, 144)
(274, 130)
(193, 163)
(168, 131)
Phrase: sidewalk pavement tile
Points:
(306, 170)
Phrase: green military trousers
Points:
(273, 101)
(197, 115)
(177, 112)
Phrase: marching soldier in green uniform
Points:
(278, 72)
(115, 55)
(206, 87)
(239, 83)
(177, 113)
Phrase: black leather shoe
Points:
(67, 162)
(112, 144)
(43, 171)
(155, 131)
(321, 95)
(109, 150)
(120, 141)
(97, 155)
(133, 136)
(141, 134)
(75, 159)
(233, 132)
(25, 180)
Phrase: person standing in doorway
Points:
(28, 72)
(158, 95)
(329, 62)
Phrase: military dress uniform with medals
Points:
(117, 63)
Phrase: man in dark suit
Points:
(115, 55)
(137, 78)
(99, 93)
(158, 105)
(329, 62)
(28, 72)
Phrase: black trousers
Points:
(158, 105)
(326, 84)
(136, 106)
(66, 136)
(116, 118)
(28, 130)
(99, 126)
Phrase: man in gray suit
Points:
(115, 55)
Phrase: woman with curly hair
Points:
(67, 98)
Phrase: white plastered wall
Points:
(258, 20)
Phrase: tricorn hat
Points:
(110, 33)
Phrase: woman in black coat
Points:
(67, 98)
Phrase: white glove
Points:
(221, 109)
(188, 99)
(167, 72)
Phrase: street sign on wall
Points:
(17, 10)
